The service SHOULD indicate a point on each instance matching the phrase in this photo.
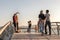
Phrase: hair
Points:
(29, 21)
(47, 11)
(41, 11)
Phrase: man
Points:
(47, 22)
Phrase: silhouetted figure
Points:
(41, 22)
(29, 26)
(47, 22)
(15, 22)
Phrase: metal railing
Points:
(7, 31)
(55, 28)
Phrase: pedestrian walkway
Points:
(7, 33)
(33, 36)
(37, 36)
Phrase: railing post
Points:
(57, 28)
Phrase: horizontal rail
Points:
(4, 27)
(55, 22)
(34, 27)
(7, 31)
(55, 25)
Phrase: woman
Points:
(41, 22)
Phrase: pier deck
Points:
(34, 36)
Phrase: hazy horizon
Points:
(28, 9)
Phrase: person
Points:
(15, 22)
(41, 22)
(36, 28)
(47, 22)
(29, 26)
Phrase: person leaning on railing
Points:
(15, 22)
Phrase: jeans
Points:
(41, 27)
(49, 26)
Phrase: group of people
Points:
(44, 20)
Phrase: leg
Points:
(17, 27)
(49, 24)
(43, 29)
(46, 28)
(28, 30)
(38, 29)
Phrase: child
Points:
(29, 26)
(36, 28)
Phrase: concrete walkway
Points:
(34, 36)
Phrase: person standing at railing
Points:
(29, 26)
(15, 21)
(41, 22)
(47, 22)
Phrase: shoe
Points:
(46, 33)
(17, 32)
(49, 34)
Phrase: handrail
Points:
(7, 31)
(57, 24)
(57, 28)
(4, 27)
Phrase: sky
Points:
(29, 10)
